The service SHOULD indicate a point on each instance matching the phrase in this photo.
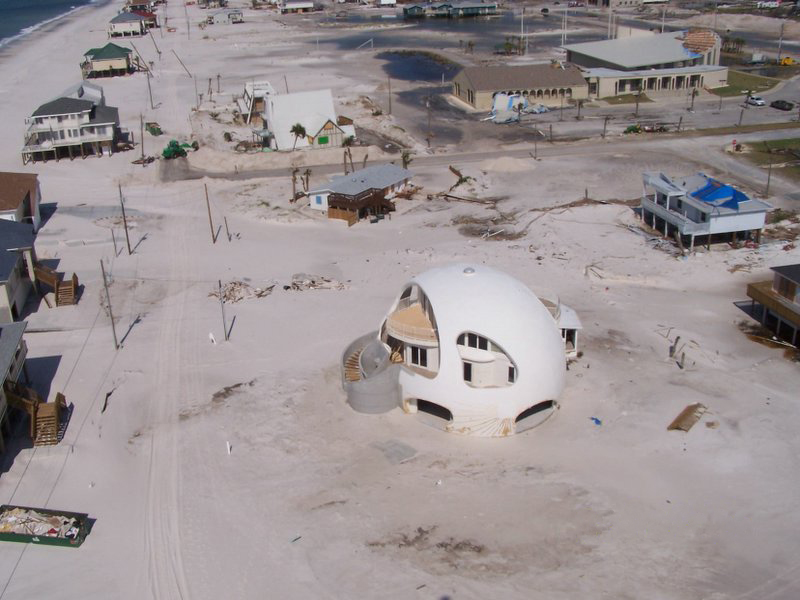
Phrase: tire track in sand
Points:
(166, 579)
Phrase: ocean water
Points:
(20, 17)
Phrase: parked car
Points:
(756, 101)
(782, 105)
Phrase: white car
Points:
(756, 101)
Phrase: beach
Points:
(234, 468)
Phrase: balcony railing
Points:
(684, 224)
(763, 293)
(409, 322)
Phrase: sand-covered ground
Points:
(314, 500)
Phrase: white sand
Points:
(307, 505)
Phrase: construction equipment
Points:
(786, 61)
(153, 128)
(45, 417)
(173, 150)
(66, 291)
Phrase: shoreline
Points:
(12, 45)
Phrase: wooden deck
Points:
(411, 322)
(763, 293)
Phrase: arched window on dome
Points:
(484, 363)
(410, 333)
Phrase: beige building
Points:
(544, 83)
(655, 63)
(108, 61)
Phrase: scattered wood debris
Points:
(304, 281)
(688, 417)
(234, 291)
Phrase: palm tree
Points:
(298, 131)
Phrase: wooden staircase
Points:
(65, 290)
(45, 417)
(352, 368)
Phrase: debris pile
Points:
(304, 281)
(234, 291)
(26, 521)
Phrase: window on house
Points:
(467, 371)
(512, 374)
(319, 200)
(419, 356)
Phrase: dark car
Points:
(782, 105)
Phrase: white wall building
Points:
(314, 111)
(127, 24)
(75, 124)
(699, 205)
(466, 348)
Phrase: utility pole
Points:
(183, 65)
(561, 110)
(521, 28)
(780, 42)
(715, 15)
(664, 16)
(286, 83)
(210, 222)
(741, 115)
(610, 12)
(141, 140)
(150, 91)
(390, 95)
(639, 93)
(108, 299)
(769, 176)
(428, 106)
(218, 76)
(154, 43)
(124, 220)
(605, 125)
(222, 308)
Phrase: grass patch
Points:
(739, 82)
(779, 152)
(626, 99)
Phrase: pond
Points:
(417, 65)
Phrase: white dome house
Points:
(468, 349)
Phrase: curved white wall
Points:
(499, 307)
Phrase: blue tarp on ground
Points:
(719, 194)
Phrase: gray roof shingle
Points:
(377, 177)
(62, 106)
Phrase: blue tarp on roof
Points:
(719, 194)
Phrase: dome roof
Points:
(479, 299)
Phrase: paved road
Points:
(701, 148)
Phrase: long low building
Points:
(656, 63)
(547, 84)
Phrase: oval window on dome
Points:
(484, 363)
